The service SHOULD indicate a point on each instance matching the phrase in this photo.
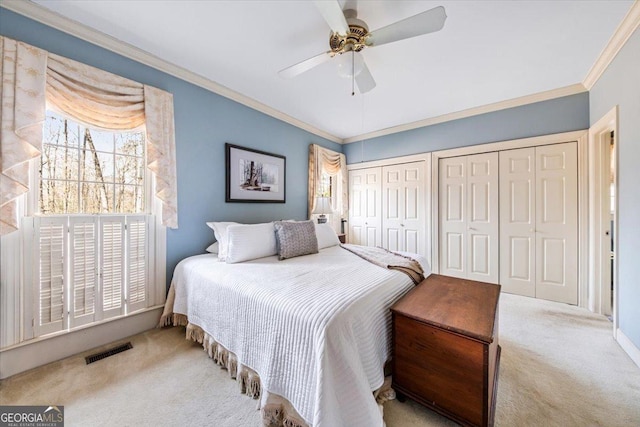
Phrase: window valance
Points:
(34, 80)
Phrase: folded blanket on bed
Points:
(387, 259)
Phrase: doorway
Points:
(603, 217)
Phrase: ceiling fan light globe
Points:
(344, 64)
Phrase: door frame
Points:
(580, 137)
(599, 141)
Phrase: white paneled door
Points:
(365, 212)
(557, 223)
(538, 226)
(469, 221)
(517, 221)
(403, 207)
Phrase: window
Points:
(92, 235)
(88, 171)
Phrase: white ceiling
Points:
(488, 51)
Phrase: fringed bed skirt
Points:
(276, 410)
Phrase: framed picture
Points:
(254, 176)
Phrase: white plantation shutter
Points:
(112, 276)
(137, 262)
(50, 248)
(83, 241)
(89, 268)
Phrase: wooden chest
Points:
(445, 348)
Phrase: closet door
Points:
(539, 222)
(556, 223)
(403, 216)
(517, 221)
(453, 216)
(365, 212)
(482, 217)
(469, 217)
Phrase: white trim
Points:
(619, 38)
(598, 135)
(583, 220)
(391, 161)
(628, 346)
(81, 31)
(488, 108)
(40, 351)
(577, 136)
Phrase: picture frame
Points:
(254, 176)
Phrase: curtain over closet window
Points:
(33, 80)
(323, 160)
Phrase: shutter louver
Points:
(136, 263)
(112, 271)
(51, 295)
(83, 239)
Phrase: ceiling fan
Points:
(350, 35)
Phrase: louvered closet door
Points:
(453, 216)
(365, 211)
(403, 207)
(556, 223)
(482, 218)
(517, 221)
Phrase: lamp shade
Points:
(323, 206)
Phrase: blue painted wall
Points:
(620, 85)
(204, 121)
(542, 118)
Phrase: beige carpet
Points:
(560, 367)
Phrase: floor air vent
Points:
(115, 350)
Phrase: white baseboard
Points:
(628, 346)
(31, 355)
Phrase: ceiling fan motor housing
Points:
(356, 38)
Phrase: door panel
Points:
(403, 221)
(517, 221)
(365, 213)
(482, 225)
(557, 225)
(453, 210)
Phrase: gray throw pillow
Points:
(296, 238)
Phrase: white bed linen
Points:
(315, 328)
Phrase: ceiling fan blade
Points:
(426, 22)
(305, 65)
(364, 79)
(332, 13)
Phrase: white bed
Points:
(315, 328)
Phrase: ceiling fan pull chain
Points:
(353, 73)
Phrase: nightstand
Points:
(342, 238)
(445, 348)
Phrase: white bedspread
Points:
(315, 328)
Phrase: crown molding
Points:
(489, 108)
(45, 16)
(629, 24)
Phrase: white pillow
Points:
(220, 231)
(250, 241)
(213, 248)
(326, 236)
